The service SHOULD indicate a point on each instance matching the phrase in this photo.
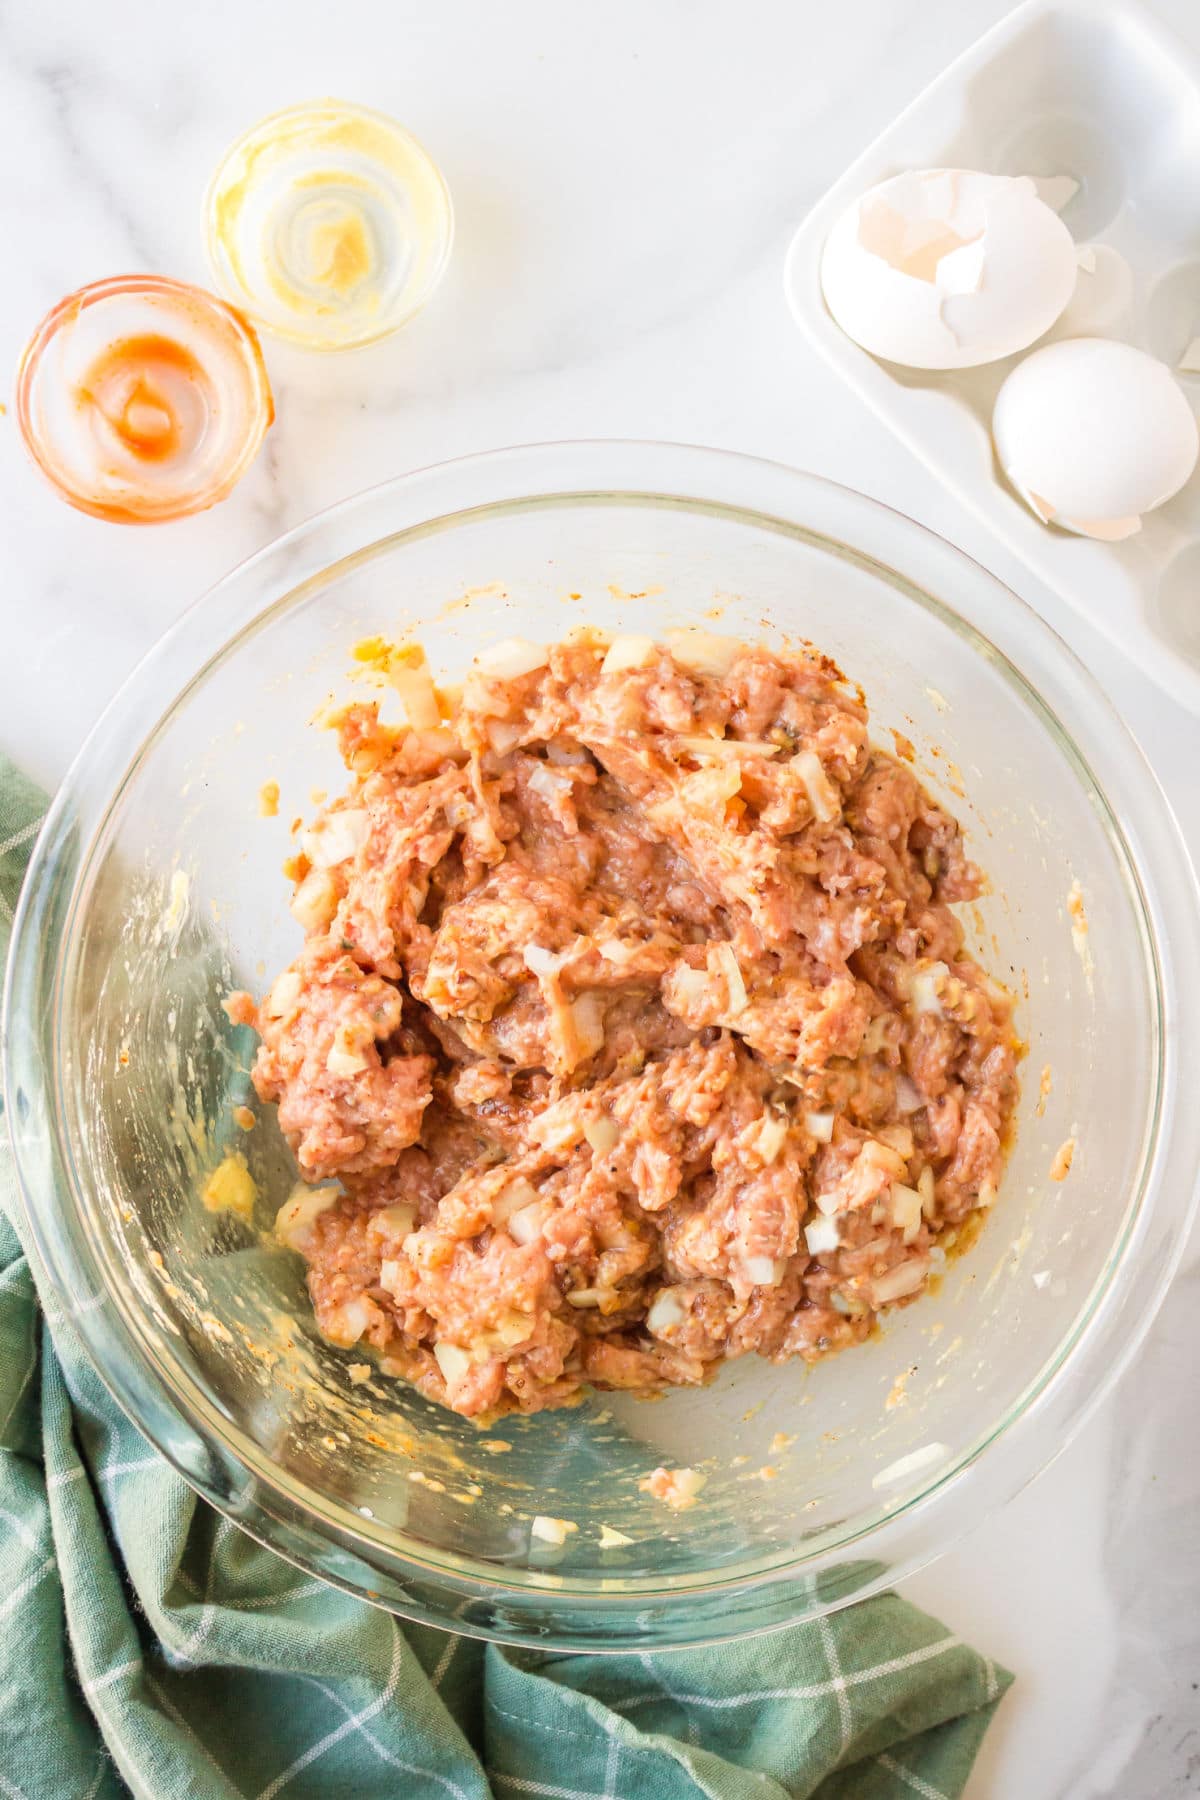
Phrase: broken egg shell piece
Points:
(1057, 191)
(948, 268)
(1093, 433)
(1110, 531)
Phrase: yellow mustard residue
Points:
(341, 251)
(371, 650)
(231, 1188)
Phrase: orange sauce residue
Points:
(134, 386)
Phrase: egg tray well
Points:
(1099, 93)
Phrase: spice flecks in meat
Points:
(633, 1021)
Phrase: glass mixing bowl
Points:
(156, 887)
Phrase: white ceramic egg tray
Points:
(1099, 93)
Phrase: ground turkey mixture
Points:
(633, 1028)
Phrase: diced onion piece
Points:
(345, 1057)
(677, 1488)
(772, 1135)
(559, 1127)
(765, 1271)
(414, 684)
(315, 901)
(689, 985)
(399, 1219)
(822, 1235)
(904, 1466)
(566, 755)
(926, 1189)
(880, 1155)
(550, 786)
(731, 749)
(666, 1312)
(844, 1304)
(453, 1361)
(822, 795)
(345, 1324)
(602, 1134)
(628, 653)
(819, 1125)
(551, 1531)
(587, 1013)
(898, 1283)
(295, 1217)
(515, 1328)
(739, 999)
(906, 1210)
(512, 657)
(611, 1539)
(440, 744)
(524, 1226)
(925, 988)
(908, 1095)
(390, 1274)
(284, 997)
(619, 951)
(986, 1194)
(897, 1137)
(540, 961)
(711, 789)
(502, 737)
(587, 1297)
(703, 652)
(336, 837)
(686, 1485)
(512, 1199)
(576, 1026)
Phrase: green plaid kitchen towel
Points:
(148, 1646)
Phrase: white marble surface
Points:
(626, 178)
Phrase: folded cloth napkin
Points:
(150, 1647)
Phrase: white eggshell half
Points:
(1093, 433)
(948, 268)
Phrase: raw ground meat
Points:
(632, 1024)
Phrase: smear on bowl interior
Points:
(633, 1029)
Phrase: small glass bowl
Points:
(143, 399)
(329, 224)
(156, 887)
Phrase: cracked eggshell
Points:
(948, 268)
(1093, 433)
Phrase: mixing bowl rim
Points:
(183, 1399)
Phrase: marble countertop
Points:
(626, 180)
